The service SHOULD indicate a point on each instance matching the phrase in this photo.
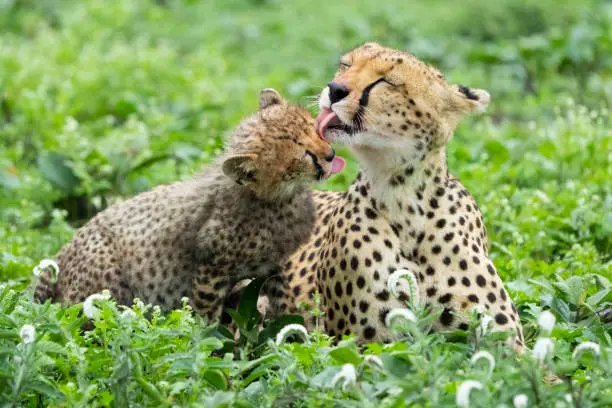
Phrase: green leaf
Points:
(396, 366)
(149, 162)
(265, 360)
(9, 181)
(345, 355)
(223, 333)
(256, 374)
(50, 347)
(184, 152)
(54, 167)
(149, 389)
(247, 308)
(43, 387)
(171, 358)
(324, 378)
(8, 350)
(572, 288)
(237, 318)
(562, 309)
(276, 325)
(595, 299)
(7, 321)
(9, 303)
(181, 366)
(216, 379)
(497, 151)
(211, 107)
(210, 344)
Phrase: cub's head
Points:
(278, 150)
(383, 98)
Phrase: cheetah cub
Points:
(198, 238)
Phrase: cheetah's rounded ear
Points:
(269, 97)
(240, 167)
(471, 99)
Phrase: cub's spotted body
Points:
(198, 238)
(404, 210)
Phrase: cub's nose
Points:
(330, 156)
(337, 92)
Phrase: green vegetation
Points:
(102, 99)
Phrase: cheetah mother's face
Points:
(384, 98)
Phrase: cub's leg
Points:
(89, 264)
(211, 287)
(275, 299)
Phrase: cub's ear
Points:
(269, 97)
(240, 167)
(470, 99)
(371, 44)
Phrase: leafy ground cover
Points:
(100, 100)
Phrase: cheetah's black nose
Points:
(337, 92)
(330, 156)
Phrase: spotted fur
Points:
(241, 218)
(404, 210)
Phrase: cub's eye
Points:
(343, 65)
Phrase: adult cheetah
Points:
(241, 218)
(405, 209)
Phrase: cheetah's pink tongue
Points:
(325, 117)
(337, 165)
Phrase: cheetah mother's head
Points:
(384, 98)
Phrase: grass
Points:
(100, 100)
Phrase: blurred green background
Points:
(102, 99)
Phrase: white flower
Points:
(542, 196)
(478, 309)
(403, 313)
(71, 124)
(348, 375)
(186, 304)
(542, 348)
(138, 304)
(546, 321)
(483, 328)
(373, 360)
(27, 333)
(44, 265)
(291, 329)
(413, 287)
(463, 393)
(484, 319)
(156, 311)
(127, 316)
(586, 346)
(520, 401)
(58, 214)
(89, 309)
(486, 355)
